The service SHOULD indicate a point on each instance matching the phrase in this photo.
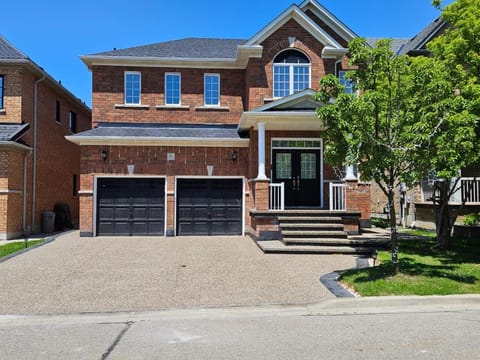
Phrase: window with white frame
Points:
(172, 89)
(212, 89)
(348, 83)
(133, 84)
(291, 73)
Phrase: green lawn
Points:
(424, 270)
(16, 246)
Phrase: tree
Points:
(405, 120)
(459, 49)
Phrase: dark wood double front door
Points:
(299, 170)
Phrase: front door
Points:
(299, 170)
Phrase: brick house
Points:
(38, 167)
(216, 136)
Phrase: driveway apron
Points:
(73, 274)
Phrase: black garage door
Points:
(130, 206)
(209, 206)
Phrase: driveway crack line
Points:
(107, 353)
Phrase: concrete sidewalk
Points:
(105, 274)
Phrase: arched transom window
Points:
(291, 73)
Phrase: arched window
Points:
(291, 73)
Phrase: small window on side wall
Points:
(1, 91)
(348, 83)
(57, 111)
(172, 89)
(133, 85)
(75, 185)
(212, 89)
(72, 121)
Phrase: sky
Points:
(55, 33)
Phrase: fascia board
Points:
(156, 141)
(285, 100)
(294, 12)
(200, 63)
(333, 53)
(331, 20)
(281, 121)
(15, 146)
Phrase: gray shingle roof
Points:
(12, 132)
(10, 52)
(396, 44)
(200, 48)
(418, 42)
(184, 131)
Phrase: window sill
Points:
(212, 108)
(172, 107)
(3, 111)
(131, 106)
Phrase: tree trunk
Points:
(393, 231)
(442, 213)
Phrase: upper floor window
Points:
(72, 121)
(132, 87)
(1, 91)
(172, 89)
(212, 89)
(291, 73)
(349, 88)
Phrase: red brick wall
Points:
(152, 161)
(259, 74)
(108, 90)
(358, 198)
(57, 158)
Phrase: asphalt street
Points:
(386, 328)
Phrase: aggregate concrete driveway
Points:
(73, 274)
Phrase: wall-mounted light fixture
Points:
(104, 154)
(234, 155)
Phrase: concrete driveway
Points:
(73, 274)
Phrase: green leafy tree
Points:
(459, 49)
(405, 120)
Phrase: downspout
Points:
(336, 66)
(24, 205)
(34, 147)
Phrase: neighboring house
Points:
(38, 167)
(413, 206)
(196, 136)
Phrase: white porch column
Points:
(261, 152)
(350, 175)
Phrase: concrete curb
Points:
(332, 307)
(331, 283)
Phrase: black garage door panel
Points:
(209, 206)
(131, 207)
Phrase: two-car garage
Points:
(136, 206)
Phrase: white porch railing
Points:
(468, 190)
(276, 196)
(337, 196)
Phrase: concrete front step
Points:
(310, 219)
(311, 226)
(314, 234)
(276, 246)
(335, 242)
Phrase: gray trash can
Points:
(48, 222)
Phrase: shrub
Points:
(472, 219)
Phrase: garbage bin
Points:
(48, 222)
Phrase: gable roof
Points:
(417, 44)
(297, 14)
(8, 51)
(328, 18)
(396, 44)
(12, 132)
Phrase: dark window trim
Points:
(2, 88)
(58, 111)
(72, 121)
